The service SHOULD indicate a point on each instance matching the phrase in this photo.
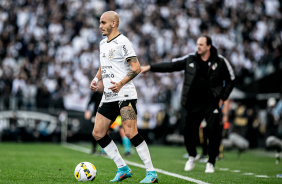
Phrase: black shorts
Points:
(112, 109)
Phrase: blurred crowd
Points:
(49, 50)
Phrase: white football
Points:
(85, 171)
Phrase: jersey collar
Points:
(113, 38)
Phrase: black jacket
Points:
(221, 75)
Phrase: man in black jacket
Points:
(208, 81)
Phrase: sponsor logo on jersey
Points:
(111, 53)
(102, 42)
(106, 67)
(108, 76)
(125, 50)
(110, 95)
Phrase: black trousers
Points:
(194, 116)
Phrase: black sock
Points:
(137, 140)
(104, 141)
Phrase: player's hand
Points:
(145, 69)
(116, 87)
(93, 86)
(87, 114)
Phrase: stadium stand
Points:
(49, 49)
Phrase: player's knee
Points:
(97, 135)
(93, 134)
(130, 133)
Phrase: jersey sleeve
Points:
(127, 50)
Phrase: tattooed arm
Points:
(133, 72)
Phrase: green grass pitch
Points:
(42, 163)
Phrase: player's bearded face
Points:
(108, 30)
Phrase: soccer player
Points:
(118, 66)
(208, 81)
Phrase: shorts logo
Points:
(100, 105)
(120, 102)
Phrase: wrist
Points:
(96, 80)
(121, 83)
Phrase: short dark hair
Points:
(209, 40)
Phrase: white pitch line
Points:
(223, 169)
(85, 150)
(167, 173)
(248, 173)
(261, 176)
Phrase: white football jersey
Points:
(114, 67)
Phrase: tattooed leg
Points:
(129, 123)
(127, 113)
